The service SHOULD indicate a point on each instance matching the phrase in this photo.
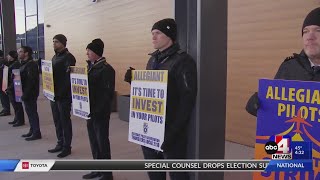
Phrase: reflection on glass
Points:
(32, 41)
(32, 32)
(23, 42)
(41, 54)
(31, 7)
(31, 23)
(41, 43)
(18, 43)
(41, 30)
(20, 22)
(40, 12)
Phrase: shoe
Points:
(64, 153)
(18, 124)
(92, 175)
(56, 149)
(34, 136)
(27, 135)
(12, 122)
(5, 114)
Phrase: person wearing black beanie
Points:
(311, 36)
(181, 96)
(101, 78)
(313, 18)
(167, 26)
(13, 54)
(164, 34)
(96, 46)
(61, 104)
(303, 66)
(61, 38)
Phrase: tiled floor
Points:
(12, 146)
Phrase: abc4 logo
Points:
(281, 145)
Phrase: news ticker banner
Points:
(47, 79)
(288, 125)
(152, 165)
(5, 78)
(148, 107)
(17, 85)
(80, 91)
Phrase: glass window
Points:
(32, 42)
(41, 30)
(31, 7)
(35, 54)
(41, 54)
(41, 43)
(30, 25)
(32, 32)
(40, 12)
(20, 22)
(23, 42)
(20, 42)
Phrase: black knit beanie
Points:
(313, 18)
(13, 54)
(168, 27)
(96, 46)
(61, 38)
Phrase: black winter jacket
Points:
(101, 77)
(181, 91)
(29, 73)
(296, 67)
(61, 74)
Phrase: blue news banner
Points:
(150, 165)
(288, 155)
